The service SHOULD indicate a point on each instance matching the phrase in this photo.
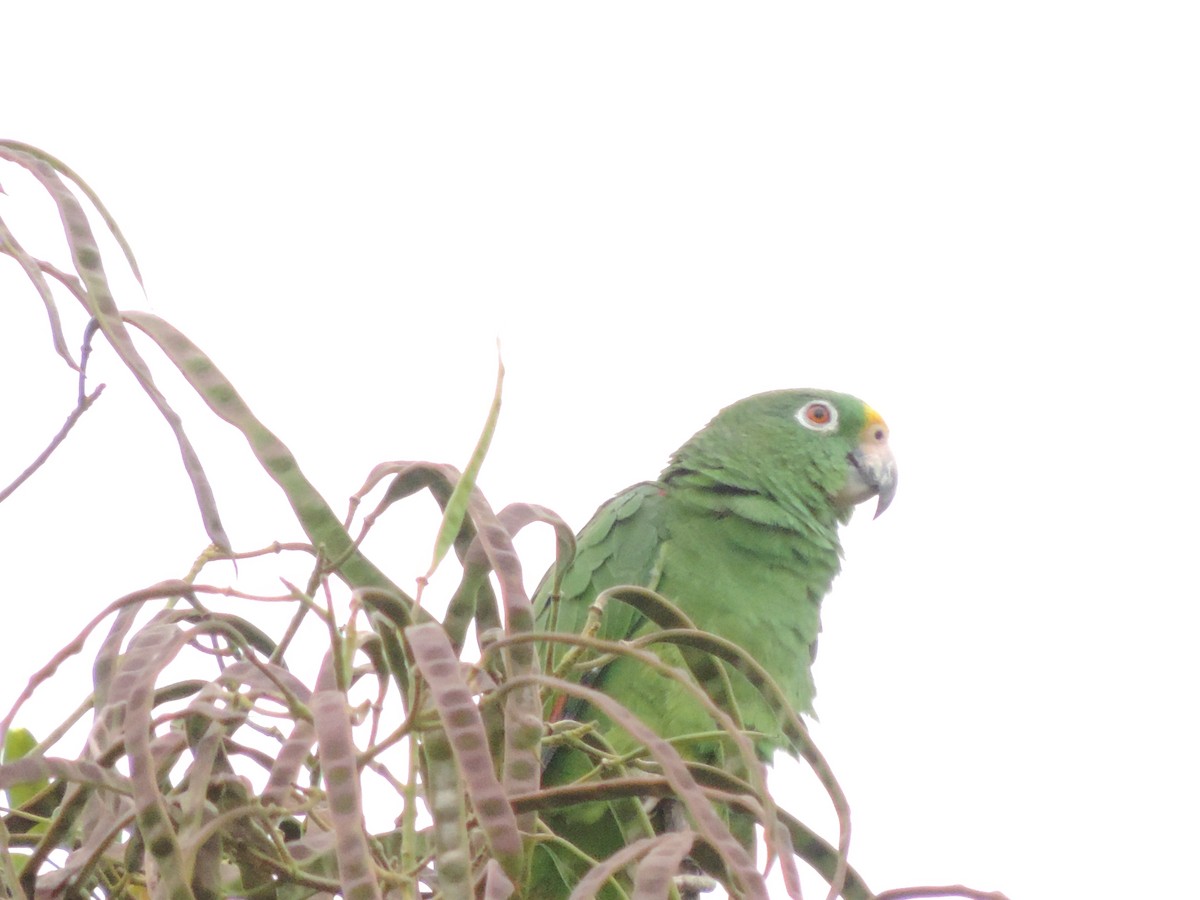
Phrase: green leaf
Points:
(456, 507)
(19, 743)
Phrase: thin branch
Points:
(79, 410)
(950, 890)
(83, 403)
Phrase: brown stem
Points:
(950, 890)
(84, 401)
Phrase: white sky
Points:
(980, 218)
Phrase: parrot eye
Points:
(817, 415)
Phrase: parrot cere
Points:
(740, 531)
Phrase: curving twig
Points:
(949, 890)
(82, 404)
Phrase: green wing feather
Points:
(620, 545)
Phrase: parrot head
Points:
(872, 471)
(804, 448)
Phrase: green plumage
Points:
(740, 531)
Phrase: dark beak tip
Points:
(887, 493)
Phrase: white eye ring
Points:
(818, 415)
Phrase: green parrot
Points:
(740, 531)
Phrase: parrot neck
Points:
(811, 517)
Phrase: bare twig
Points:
(949, 890)
(84, 401)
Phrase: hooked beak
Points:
(872, 470)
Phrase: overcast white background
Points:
(981, 218)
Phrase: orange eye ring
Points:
(818, 415)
